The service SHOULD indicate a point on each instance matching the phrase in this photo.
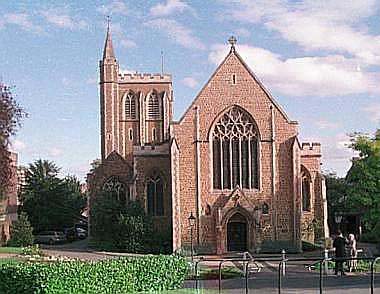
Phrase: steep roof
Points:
(235, 53)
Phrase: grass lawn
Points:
(11, 250)
(228, 272)
(363, 266)
(8, 260)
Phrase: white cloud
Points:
(373, 112)
(190, 82)
(242, 32)
(126, 43)
(168, 8)
(115, 7)
(176, 32)
(333, 75)
(55, 152)
(92, 81)
(62, 19)
(325, 124)
(328, 25)
(125, 71)
(22, 20)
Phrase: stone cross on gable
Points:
(232, 40)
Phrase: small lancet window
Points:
(234, 79)
(130, 135)
(305, 189)
(154, 136)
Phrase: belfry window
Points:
(130, 106)
(155, 196)
(306, 190)
(235, 151)
(154, 106)
(114, 185)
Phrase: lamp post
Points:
(191, 224)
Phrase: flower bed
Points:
(123, 275)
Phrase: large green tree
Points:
(336, 193)
(10, 117)
(363, 179)
(49, 201)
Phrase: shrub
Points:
(121, 227)
(124, 275)
(22, 232)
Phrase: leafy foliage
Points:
(50, 202)
(336, 192)
(119, 226)
(10, 117)
(22, 232)
(363, 180)
(124, 275)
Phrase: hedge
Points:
(122, 275)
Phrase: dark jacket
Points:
(340, 246)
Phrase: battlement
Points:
(311, 148)
(145, 78)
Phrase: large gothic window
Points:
(235, 151)
(155, 196)
(306, 189)
(154, 111)
(115, 186)
(131, 106)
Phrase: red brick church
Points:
(233, 160)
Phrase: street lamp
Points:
(338, 219)
(191, 224)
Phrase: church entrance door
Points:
(237, 233)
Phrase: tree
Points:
(363, 179)
(336, 192)
(10, 117)
(22, 232)
(50, 202)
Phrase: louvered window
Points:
(130, 106)
(154, 111)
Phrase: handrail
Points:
(281, 262)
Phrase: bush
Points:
(119, 226)
(22, 232)
(124, 275)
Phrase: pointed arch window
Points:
(235, 151)
(305, 189)
(114, 185)
(155, 196)
(131, 106)
(154, 111)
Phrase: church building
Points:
(233, 160)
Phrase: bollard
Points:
(325, 263)
(283, 270)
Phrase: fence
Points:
(281, 270)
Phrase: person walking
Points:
(340, 252)
(353, 253)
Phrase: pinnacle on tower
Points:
(108, 47)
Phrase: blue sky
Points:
(319, 59)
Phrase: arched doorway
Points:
(237, 233)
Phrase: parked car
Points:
(81, 233)
(50, 237)
(71, 234)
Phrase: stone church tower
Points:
(233, 160)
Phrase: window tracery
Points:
(155, 196)
(130, 106)
(235, 151)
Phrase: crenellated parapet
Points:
(144, 78)
(311, 149)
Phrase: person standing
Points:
(340, 252)
(353, 253)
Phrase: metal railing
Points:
(281, 270)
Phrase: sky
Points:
(319, 59)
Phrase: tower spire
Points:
(108, 47)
